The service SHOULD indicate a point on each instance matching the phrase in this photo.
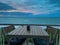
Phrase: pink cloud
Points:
(34, 12)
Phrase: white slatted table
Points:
(35, 31)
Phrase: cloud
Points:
(1, 15)
(34, 12)
(32, 6)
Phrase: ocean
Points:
(31, 20)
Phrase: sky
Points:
(36, 7)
